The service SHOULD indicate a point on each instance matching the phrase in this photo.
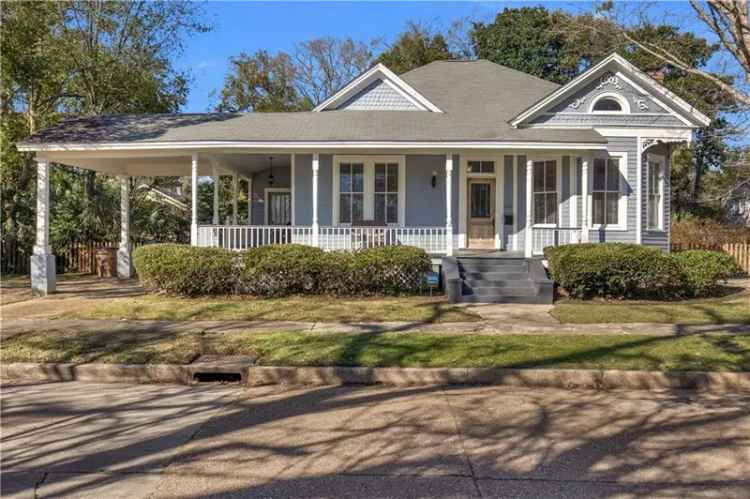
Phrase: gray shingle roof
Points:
(477, 97)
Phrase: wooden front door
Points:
(481, 213)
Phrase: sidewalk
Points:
(9, 328)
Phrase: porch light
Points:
(270, 170)
(434, 179)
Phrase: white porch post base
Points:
(124, 263)
(43, 278)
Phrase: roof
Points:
(477, 100)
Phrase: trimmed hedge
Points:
(615, 270)
(282, 270)
(704, 269)
(186, 270)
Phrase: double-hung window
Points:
(369, 189)
(386, 193)
(655, 182)
(351, 197)
(545, 192)
(606, 192)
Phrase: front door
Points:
(279, 208)
(481, 213)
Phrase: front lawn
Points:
(721, 352)
(299, 308)
(734, 309)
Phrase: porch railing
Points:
(239, 237)
(543, 237)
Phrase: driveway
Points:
(73, 439)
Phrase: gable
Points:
(377, 89)
(642, 101)
(378, 96)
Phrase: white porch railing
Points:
(239, 237)
(543, 237)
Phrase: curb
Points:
(393, 376)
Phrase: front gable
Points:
(641, 100)
(377, 89)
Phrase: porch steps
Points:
(502, 280)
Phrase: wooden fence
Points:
(76, 257)
(740, 251)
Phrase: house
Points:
(453, 157)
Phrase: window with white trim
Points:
(655, 202)
(386, 193)
(481, 166)
(545, 192)
(369, 189)
(605, 194)
(351, 192)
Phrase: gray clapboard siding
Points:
(520, 179)
(303, 189)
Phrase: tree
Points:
(415, 47)
(261, 82)
(63, 59)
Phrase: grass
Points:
(717, 352)
(307, 308)
(734, 309)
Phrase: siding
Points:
(425, 205)
(281, 175)
(378, 96)
(303, 189)
(661, 120)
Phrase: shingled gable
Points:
(634, 79)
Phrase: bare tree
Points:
(325, 65)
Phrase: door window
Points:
(480, 200)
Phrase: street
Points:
(108, 440)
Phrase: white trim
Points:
(292, 146)
(573, 192)
(292, 183)
(639, 192)
(514, 172)
(500, 204)
(378, 72)
(194, 199)
(368, 162)
(624, 104)
(267, 206)
(464, 175)
(528, 228)
(622, 202)
(558, 185)
(448, 204)
(655, 132)
(659, 159)
(700, 118)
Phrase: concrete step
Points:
(496, 276)
(500, 291)
(532, 299)
(499, 283)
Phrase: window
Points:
(607, 104)
(545, 192)
(386, 193)
(605, 209)
(481, 166)
(655, 181)
(352, 192)
(368, 190)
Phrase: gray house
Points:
(456, 157)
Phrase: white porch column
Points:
(215, 218)
(585, 200)
(124, 263)
(249, 200)
(448, 204)
(235, 190)
(529, 233)
(42, 260)
(194, 196)
(315, 226)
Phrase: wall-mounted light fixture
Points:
(434, 179)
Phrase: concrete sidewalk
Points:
(131, 441)
(13, 327)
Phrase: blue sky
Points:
(273, 26)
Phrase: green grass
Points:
(729, 310)
(720, 352)
(307, 308)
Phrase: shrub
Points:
(390, 270)
(282, 270)
(703, 269)
(615, 270)
(186, 270)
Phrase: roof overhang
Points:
(378, 72)
(673, 102)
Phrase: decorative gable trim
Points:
(378, 72)
(689, 115)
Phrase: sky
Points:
(273, 26)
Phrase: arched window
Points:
(608, 104)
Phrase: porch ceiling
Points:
(168, 163)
